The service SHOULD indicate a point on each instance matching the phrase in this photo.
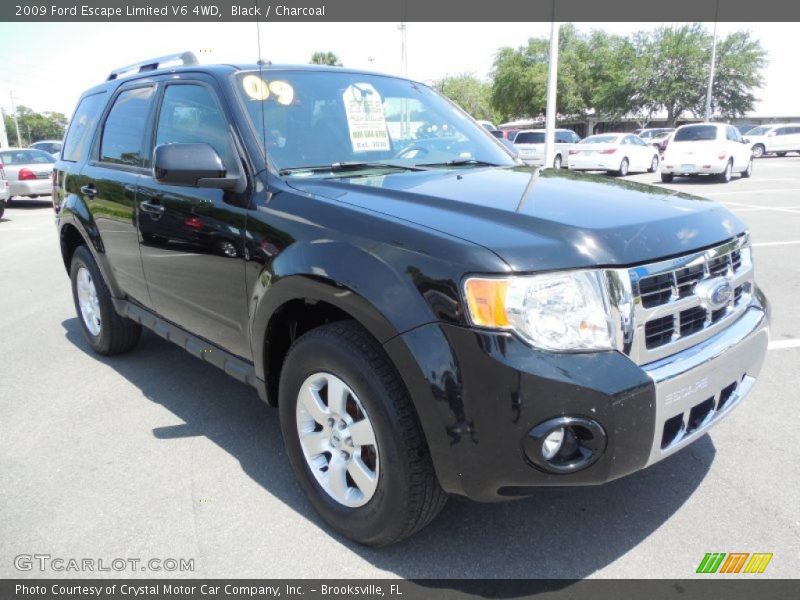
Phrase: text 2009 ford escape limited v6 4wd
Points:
(430, 317)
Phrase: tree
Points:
(325, 58)
(673, 69)
(471, 94)
(35, 126)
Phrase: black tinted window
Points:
(696, 133)
(123, 132)
(189, 114)
(82, 126)
(529, 137)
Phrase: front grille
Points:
(673, 307)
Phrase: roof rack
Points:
(151, 64)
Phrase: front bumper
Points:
(480, 393)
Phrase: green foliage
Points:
(325, 58)
(35, 126)
(471, 94)
(612, 76)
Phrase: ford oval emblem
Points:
(714, 293)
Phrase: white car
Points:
(530, 143)
(29, 172)
(707, 149)
(52, 147)
(777, 138)
(617, 153)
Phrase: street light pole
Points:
(713, 66)
(14, 114)
(552, 84)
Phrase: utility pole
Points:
(713, 66)
(552, 84)
(3, 133)
(14, 115)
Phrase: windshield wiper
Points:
(339, 167)
(457, 162)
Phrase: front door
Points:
(192, 239)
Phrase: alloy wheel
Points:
(88, 302)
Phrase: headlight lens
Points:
(565, 311)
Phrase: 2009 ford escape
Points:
(429, 316)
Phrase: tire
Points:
(2, 208)
(406, 495)
(557, 162)
(781, 154)
(623, 168)
(667, 177)
(749, 170)
(758, 150)
(110, 333)
(654, 164)
(726, 175)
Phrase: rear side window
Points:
(81, 127)
(563, 137)
(124, 129)
(696, 133)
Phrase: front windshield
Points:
(327, 118)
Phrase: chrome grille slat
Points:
(669, 316)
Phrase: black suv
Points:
(429, 316)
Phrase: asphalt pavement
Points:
(157, 455)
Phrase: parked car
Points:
(50, 146)
(661, 140)
(5, 192)
(29, 171)
(428, 316)
(777, 139)
(647, 134)
(488, 125)
(531, 146)
(616, 153)
(707, 149)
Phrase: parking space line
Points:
(783, 344)
(787, 243)
(757, 191)
(794, 210)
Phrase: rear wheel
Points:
(726, 175)
(758, 150)
(653, 164)
(557, 162)
(781, 154)
(107, 332)
(623, 168)
(353, 438)
(667, 177)
(2, 208)
(749, 170)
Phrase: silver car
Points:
(29, 172)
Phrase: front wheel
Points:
(653, 164)
(106, 331)
(758, 150)
(353, 438)
(557, 162)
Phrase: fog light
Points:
(552, 443)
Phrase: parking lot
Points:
(156, 454)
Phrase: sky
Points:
(48, 65)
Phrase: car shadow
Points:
(557, 533)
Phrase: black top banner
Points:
(400, 10)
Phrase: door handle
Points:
(151, 206)
(89, 190)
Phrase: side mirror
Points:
(513, 150)
(745, 141)
(190, 165)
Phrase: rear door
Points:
(192, 239)
(108, 183)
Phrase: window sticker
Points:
(255, 87)
(365, 119)
(283, 91)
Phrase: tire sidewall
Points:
(83, 258)
(373, 521)
(623, 167)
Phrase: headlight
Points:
(567, 311)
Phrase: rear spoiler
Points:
(151, 64)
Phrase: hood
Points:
(541, 220)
